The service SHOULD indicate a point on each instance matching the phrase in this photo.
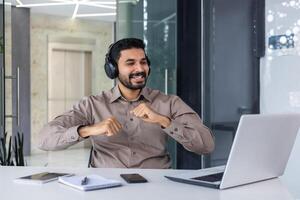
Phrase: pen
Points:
(84, 181)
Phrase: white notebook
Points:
(93, 182)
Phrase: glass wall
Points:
(230, 70)
(49, 35)
(57, 47)
(280, 85)
(155, 23)
(2, 72)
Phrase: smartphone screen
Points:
(133, 178)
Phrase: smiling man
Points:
(129, 124)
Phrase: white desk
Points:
(158, 187)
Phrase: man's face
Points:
(133, 68)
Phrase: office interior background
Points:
(224, 58)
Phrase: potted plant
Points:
(13, 155)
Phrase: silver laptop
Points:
(260, 151)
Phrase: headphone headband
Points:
(111, 67)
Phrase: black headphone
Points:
(111, 67)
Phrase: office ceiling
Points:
(104, 10)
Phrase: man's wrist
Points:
(164, 121)
(84, 131)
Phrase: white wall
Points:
(280, 75)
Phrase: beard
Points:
(126, 81)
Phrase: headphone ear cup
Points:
(110, 69)
(148, 61)
(149, 65)
(149, 70)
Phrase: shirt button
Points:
(175, 129)
(131, 119)
(171, 132)
(72, 137)
(133, 153)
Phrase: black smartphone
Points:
(133, 178)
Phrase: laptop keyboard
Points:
(210, 178)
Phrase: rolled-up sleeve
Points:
(187, 128)
(62, 132)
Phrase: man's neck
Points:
(127, 93)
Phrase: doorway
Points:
(69, 79)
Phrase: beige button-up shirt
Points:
(139, 144)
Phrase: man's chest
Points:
(134, 129)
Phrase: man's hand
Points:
(144, 112)
(109, 127)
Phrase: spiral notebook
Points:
(91, 182)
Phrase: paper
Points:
(94, 182)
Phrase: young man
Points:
(129, 124)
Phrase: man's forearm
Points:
(54, 137)
(192, 134)
(85, 131)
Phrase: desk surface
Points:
(158, 187)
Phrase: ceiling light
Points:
(92, 2)
(7, 3)
(75, 11)
(96, 15)
(103, 2)
(97, 5)
(77, 4)
(46, 4)
(129, 1)
(19, 2)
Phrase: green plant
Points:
(5, 155)
(1, 44)
(18, 149)
(14, 154)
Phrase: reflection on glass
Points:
(2, 71)
(67, 56)
(155, 23)
(280, 91)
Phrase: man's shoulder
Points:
(102, 96)
(155, 94)
(105, 94)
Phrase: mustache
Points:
(143, 74)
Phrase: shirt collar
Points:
(146, 94)
(116, 94)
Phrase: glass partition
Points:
(42, 88)
(230, 70)
(155, 23)
(2, 71)
(39, 84)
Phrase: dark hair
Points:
(123, 44)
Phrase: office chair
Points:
(90, 158)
